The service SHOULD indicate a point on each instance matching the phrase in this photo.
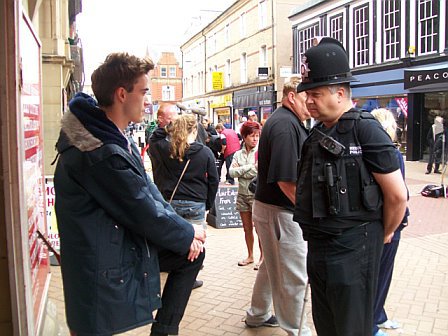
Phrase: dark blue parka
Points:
(111, 220)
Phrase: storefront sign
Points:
(416, 78)
(221, 101)
(217, 80)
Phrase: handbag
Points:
(253, 185)
(178, 182)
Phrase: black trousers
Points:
(343, 274)
(177, 290)
(385, 279)
(228, 161)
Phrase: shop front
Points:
(416, 95)
(427, 88)
(384, 89)
(260, 100)
(221, 110)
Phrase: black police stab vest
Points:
(340, 184)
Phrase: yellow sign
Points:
(217, 80)
(221, 101)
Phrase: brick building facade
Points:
(166, 80)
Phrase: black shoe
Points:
(271, 322)
(437, 172)
(197, 284)
(428, 172)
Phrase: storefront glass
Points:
(398, 105)
(224, 116)
(436, 104)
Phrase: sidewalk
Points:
(418, 297)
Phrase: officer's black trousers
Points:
(343, 274)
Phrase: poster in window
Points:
(33, 171)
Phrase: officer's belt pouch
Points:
(371, 197)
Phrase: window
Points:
(210, 76)
(391, 29)
(168, 93)
(428, 26)
(228, 79)
(212, 43)
(361, 35)
(306, 36)
(163, 71)
(243, 68)
(172, 71)
(263, 56)
(227, 35)
(262, 14)
(337, 27)
(243, 25)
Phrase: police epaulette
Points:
(347, 120)
(355, 114)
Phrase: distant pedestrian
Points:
(435, 144)
(386, 119)
(230, 143)
(244, 167)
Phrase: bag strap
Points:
(178, 182)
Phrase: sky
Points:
(106, 26)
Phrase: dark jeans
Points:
(433, 159)
(190, 210)
(176, 292)
(228, 164)
(343, 275)
(219, 164)
(384, 280)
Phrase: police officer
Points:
(350, 195)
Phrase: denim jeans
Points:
(192, 211)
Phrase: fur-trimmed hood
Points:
(86, 127)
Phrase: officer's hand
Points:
(388, 238)
(199, 233)
(196, 248)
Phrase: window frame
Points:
(434, 19)
(361, 57)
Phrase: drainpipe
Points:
(205, 65)
(274, 94)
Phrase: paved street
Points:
(418, 297)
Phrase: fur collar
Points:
(86, 127)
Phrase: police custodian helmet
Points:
(325, 64)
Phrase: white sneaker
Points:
(389, 324)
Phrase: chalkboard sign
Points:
(223, 214)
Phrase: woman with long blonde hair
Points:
(181, 158)
(381, 320)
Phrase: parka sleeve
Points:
(134, 201)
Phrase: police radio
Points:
(330, 144)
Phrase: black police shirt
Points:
(379, 155)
